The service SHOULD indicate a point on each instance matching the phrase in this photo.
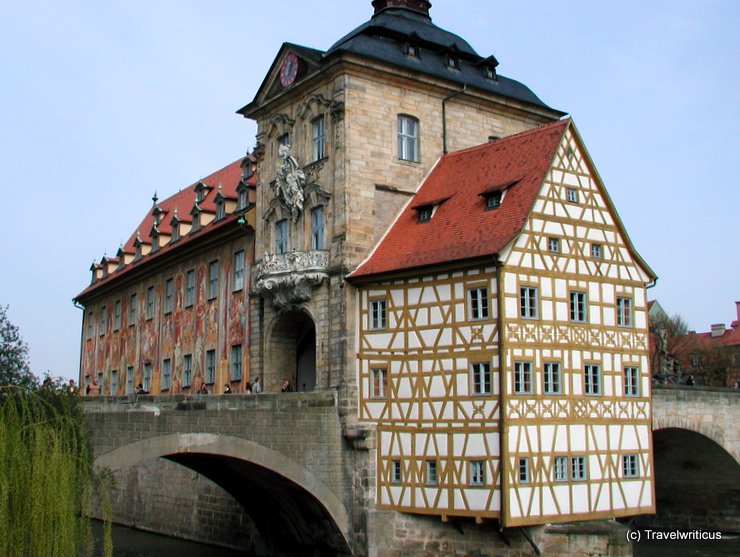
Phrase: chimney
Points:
(420, 6)
(718, 329)
(737, 308)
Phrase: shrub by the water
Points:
(46, 474)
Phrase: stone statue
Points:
(290, 182)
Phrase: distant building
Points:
(431, 241)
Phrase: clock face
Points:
(289, 69)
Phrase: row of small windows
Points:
(552, 379)
(478, 307)
(235, 372)
(597, 250)
(212, 287)
(451, 61)
(317, 231)
(571, 467)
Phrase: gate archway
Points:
(292, 350)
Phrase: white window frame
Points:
(624, 311)
(281, 236)
(480, 378)
(146, 373)
(117, 315)
(630, 466)
(552, 378)
(528, 305)
(114, 382)
(378, 314)
(571, 195)
(478, 303)
(129, 380)
(317, 228)
(523, 378)
(553, 245)
(169, 295)
(133, 309)
(239, 270)
(432, 477)
(378, 382)
(189, 288)
(578, 471)
(235, 366)
(318, 137)
(560, 469)
(631, 381)
(166, 374)
(396, 475)
(592, 379)
(477, 473)
(408, 138)
(597, 251)
(187, 370)
(578, 307)
(150, 302)
(213, 270)
(210, 367)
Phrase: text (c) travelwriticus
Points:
(657, 535)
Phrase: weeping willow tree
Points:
(46, 474)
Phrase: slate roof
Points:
(183, 201)
(461, 227)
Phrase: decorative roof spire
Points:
(421, 6)
(155, 198)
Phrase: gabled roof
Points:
(461, 228)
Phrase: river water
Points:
(128, 542)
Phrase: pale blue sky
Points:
(104, 102)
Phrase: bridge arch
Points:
(293, 510)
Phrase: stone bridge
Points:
(303, 485)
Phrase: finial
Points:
(155, 198)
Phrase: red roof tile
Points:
(461, 228)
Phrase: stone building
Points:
(430, 240)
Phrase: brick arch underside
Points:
(715, 432)
(292, 509)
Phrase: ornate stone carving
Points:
(291, 180)
(286, 279)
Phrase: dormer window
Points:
(493, 199)
(410, 49)
(489, 72)
(220, 212)
(452, 62)
(195, 213)
(424, 213)
(241, 198)
(155, 240)
(201, 190)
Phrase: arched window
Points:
(408, 138)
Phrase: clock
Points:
(289, 69)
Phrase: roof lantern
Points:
(421, 6)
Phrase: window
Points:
(410, 49)
(150, 303)
(241, 198)
(187, 370)
(596, 251)
(480, 378)
(431, 472)
(551, 374)
(578, 307)
(281, 236)
(169, 295)
(283, 139)
(493, 199)
(100, 381)
(317, 138)
(424, 213)
(630, 467)
(236, 362)
(210, 377)
(89, 324)
(624, 312)
(212, 279)
(528, 302)
(592, 380)
(166, 374)
(478, 300)
(175, 226)
(408, 138)
(132, 309)
(189, 288)
(477, 473)
(117, 315)
(220, 212)
(147, 380)
(103, 320)
(452, 62)
(560, 469)
(553, 245)
(239, 270)
(522, 377)
(571, 195)
(523, 470)
(377, 314)
(317, 228)
(129, 380)
(378, 382)
(396, 471)
(114, 382)
(631, 381)
(578, 468)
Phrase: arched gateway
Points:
(292, 509)
(292, 350)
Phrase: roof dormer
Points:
(201, 191)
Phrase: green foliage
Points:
(14, 369)
(46, 474)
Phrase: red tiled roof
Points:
(461, 228)
(228, 178)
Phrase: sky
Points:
(104, 103)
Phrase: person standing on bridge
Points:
(286, 388)
(257, 386)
